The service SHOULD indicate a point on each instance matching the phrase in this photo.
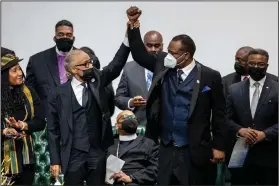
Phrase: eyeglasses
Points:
(255, 64)
(126, 116)
(86, 64)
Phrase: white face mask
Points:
(171, 62)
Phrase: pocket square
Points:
(206, 88)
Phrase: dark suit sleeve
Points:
(53, 129)
(114, 68)
(139, 52)
(225, 87)
(38, 123)
(122, 93)
(271, 133)
(219, 124)
(30, 76)
(148, 175)
(230, 113)
(110, 95)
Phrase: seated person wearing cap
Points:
(139, 153)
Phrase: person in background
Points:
(252, 112)
(139, 153)
(241, 69)
(135, 80)
(21, 115)
(109, 89)
(45, 70)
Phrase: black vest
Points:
(87, 124)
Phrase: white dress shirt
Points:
(128, 137)
(77, 88)
(186, 70)
(252, 87)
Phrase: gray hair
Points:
(69, 62)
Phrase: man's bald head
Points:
(153, 41)
(241, 58)
(242, 53)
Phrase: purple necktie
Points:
(61, 69)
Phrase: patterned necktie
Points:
(255, 99)
(245, 78)
(179, 76)
(149, 79)
(84, 95)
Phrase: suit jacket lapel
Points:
(142, 79)
(66, 97)
(264, 94)
(195, 90)
(52, 65)
(94, 85)
(156, 80)
(135, 143)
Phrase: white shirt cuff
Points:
(131, 108)
(126, 42)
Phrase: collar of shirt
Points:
(60, 53)
(242, 77)
(186, 70)
(128, 137)
(253, 81)
(75, 83)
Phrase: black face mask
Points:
(257, 73)
(64, 44)
(239, 69)
(88, 74)
(130, 126)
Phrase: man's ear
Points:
(74, 70)
(54, 39)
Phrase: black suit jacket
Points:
(141, 159)
(110, 95)
(239, 115)
(60, 118)
(202, 103)
(232, 78)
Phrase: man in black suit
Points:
(109, 89)
(252, 111)
(241, 69)
(45, 70)
(180, 101)
(79, 125)
(136, 80)
(139, 153)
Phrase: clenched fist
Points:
(133, 13)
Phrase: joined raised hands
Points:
(133, 13)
